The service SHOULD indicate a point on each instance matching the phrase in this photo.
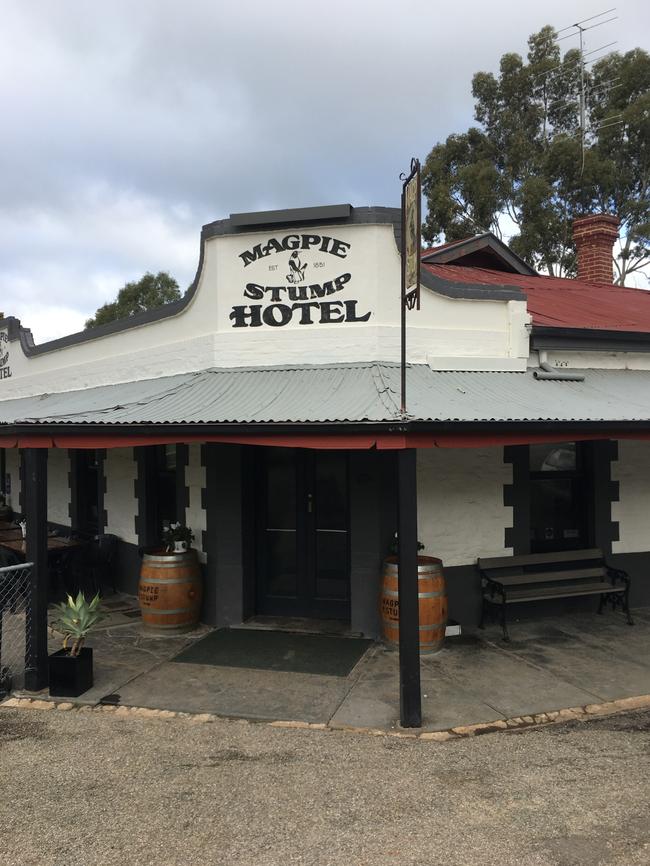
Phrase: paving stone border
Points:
(584, 713)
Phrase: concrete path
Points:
(552, 663)
(93, 788)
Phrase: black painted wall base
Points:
(463, 588)
(127, 567)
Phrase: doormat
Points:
(325, 655)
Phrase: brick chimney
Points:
(594, 237)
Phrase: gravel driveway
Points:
(90, 788)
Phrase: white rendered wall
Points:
(58, 486)
(632, 511)
(592, 360)
(461, 514)
(195, 516)
(120, 504)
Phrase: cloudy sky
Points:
(127, 125)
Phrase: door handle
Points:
(310, 503)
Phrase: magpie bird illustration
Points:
(296, 268)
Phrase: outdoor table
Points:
(54, 543)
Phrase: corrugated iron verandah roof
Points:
(353, 398)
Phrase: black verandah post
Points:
(34, 479)
(409, 619)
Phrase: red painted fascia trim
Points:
(347, 442)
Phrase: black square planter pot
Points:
(71, 676)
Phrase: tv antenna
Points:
(579, 29)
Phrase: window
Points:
(86, 493)
(165, 487)
(559, 500)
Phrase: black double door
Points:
(303, 558)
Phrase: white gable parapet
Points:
(279, 295)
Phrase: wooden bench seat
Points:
(537, 577)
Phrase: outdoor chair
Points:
(8, 557)
(104, 556)
(72, 571)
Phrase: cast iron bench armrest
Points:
(617, 573)
(493, 585)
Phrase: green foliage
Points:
(177, 532)
(149, 292)
(76, 618)
(523, 163)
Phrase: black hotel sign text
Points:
(299, 297)
(5, 369)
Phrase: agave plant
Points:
(76, 618)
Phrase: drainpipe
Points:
(552, 374)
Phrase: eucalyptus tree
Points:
(530, 166)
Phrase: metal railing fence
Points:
(15, 624)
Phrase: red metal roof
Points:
(560, 303)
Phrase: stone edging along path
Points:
(584, 713)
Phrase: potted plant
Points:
(71, 667)
(177, 538)
(394, 546)
(170, 589)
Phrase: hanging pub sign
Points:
(296, 278)
(410, 262)
(5, 369)
(411, 236)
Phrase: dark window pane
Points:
(558, 519)
(559, 457)
(170, 456)
(281, 488)
(88, 492)
(165, 486)
(331, 490)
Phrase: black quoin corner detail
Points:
(517, 495)
(204, 498)
(606, 491)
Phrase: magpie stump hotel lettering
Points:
(297, 294)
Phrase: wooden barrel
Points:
(170, 590)
(432, 596)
